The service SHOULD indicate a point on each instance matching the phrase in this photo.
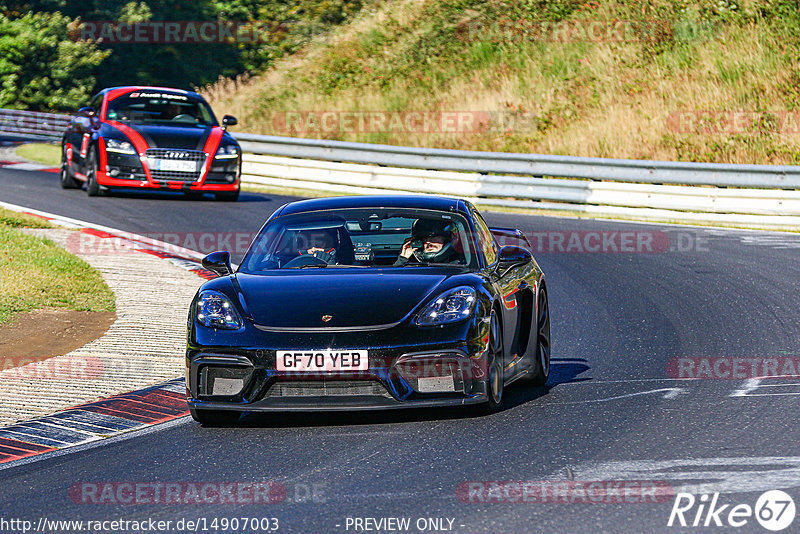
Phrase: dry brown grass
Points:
(605, 99)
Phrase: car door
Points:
(507, 283)
(80, 133)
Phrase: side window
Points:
(96, 103)
(485, 240)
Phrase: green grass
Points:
(43, 153)
(35, 273)
(15, 219)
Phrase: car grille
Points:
(327, 388)
(198, 156)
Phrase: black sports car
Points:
(150, 138)
(367, 302)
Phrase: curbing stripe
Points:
(94, 421)
(39, 428)
(24, 166)
(99, 424)
(30, 438)
(21, 445)
(117, 414)
(12, 451)
(128, 411)
(20, 450)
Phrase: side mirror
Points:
(229, 120)
(218, 262)
(511, 256)
(88, 111)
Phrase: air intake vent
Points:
(327, 388)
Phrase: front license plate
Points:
(322, 360)
(173, 165)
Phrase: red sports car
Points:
(151, 138)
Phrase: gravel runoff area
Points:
(8, 152)
(144, 346)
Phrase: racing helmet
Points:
(423, 228)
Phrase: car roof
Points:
(375, 201)
(152, 88)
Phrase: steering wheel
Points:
(184, 117)
(305, 259)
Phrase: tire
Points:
(65, 174)
(214, 417)
(495, 382)
(227, 196)
(92, 187)
(541, 368)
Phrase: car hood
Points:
(300, 299)
(182, 137)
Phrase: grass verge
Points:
(36, 273)
(43, 153)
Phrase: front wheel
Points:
(92, 187)
(541, 368)
(214, 417)
(65, 174)
(495, 382)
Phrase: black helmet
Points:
(423, 228)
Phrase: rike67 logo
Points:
(774, 510)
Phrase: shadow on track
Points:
(245, 196)
(562, 371)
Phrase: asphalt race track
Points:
(613, 409)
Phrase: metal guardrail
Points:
(33, 125)
(764, 196)
(754, 195)
(620, 170)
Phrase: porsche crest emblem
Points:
(326, 318)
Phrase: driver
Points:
(431, 241)
(322, 245)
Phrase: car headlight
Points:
(123, 147)
(453, 305)
(214, 310)
(227, 152)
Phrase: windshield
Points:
(351, 238)
(161, 108)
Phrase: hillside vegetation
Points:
(53, 57)
(645, 97)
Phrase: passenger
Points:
(431, 241)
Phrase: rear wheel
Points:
(92, 187)
(214, 417)
(65, 175)
(495, 382)
(541, 368)
(227, 196)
